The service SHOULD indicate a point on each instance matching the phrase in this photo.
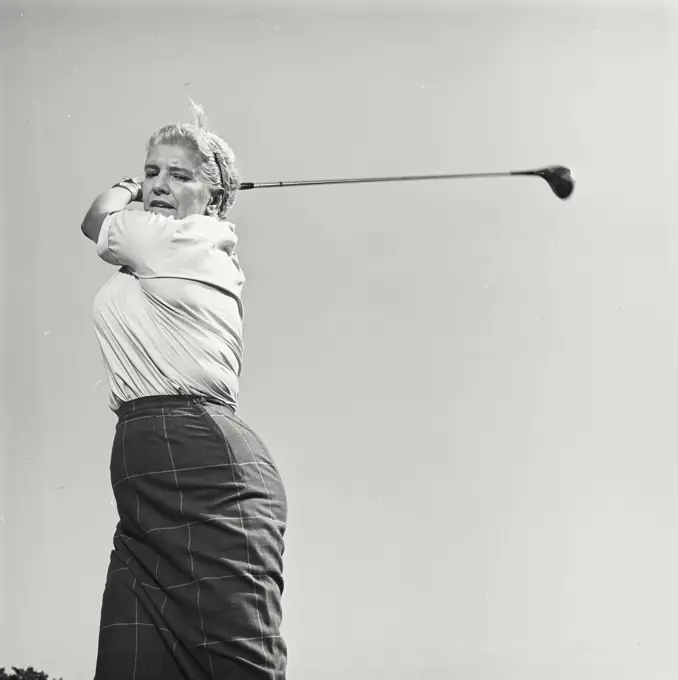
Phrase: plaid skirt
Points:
(195, 581)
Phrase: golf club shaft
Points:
(360, 180)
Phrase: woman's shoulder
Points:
(219, 232)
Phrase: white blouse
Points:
(170, 320)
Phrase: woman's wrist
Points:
(133, 186)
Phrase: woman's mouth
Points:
(161, 204)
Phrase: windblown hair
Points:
(211, 150)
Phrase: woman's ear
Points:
(215, 202)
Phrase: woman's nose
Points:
(160, 183)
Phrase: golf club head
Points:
(559, 178)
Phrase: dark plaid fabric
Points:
(195, 579)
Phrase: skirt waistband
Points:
(165, 401)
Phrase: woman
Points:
(195, 580)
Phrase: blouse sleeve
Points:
(198, 248)
(136, 239)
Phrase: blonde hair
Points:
(215, 157)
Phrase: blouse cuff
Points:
(103, 250)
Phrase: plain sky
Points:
(469, 387)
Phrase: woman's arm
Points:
(112, 200)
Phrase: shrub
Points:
(24, 674)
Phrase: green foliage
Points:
(24, 674)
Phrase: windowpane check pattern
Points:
(194, 586)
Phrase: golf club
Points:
(558, 177)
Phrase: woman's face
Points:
(173, 185)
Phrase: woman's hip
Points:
(179, 460)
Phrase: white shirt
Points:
(170, 320)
